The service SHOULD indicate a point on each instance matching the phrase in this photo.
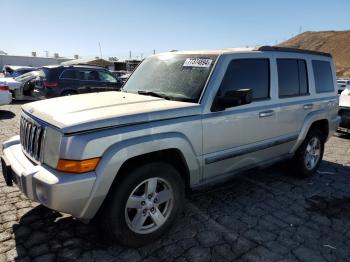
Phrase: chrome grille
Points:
(32, 136)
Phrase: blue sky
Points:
(71, 27)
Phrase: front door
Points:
(245, 135)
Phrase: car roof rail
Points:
(290, 50)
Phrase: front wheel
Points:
(144, 205)
(309, 155)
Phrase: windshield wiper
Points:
(155, 94)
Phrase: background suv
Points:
(77, 79)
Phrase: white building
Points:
(29, 60)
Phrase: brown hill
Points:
(335, 42)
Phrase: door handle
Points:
(308, 106)
(267, 113)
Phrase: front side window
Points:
(292, 77)
(251, 74)
(105, 77)
(323, 76)
(89, 75)
(172, 76)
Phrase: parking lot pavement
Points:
(265, 215)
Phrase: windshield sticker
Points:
(197, 62)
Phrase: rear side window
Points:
(248, 73)
(292, 77)
(323, 76)
(69, 74)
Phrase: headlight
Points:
(52, 144)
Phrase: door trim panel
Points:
(252, 148)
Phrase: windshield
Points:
(174, 76)
(25, 77)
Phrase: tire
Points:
(120, 222)
(303, 165)
(68, 93)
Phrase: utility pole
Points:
(300, 29)
(46, 53)
(141, 56)
(154, 51)
(99, 44)
(130, 55)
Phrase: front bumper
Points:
(63, 192)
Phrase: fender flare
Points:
(117, 154)
(309, 120)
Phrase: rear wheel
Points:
(308, 157)
(144, 205)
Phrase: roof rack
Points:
(291, 50)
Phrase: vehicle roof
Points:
(19, 67)
(257, 49)
(75, 66)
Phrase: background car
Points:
(344, 107)
(120, 75)
(5, 95)
(342, 84)
(124, 78)
(75, 79)
(14, 71)
(21, 86)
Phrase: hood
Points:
(10, 82)
(344, 99)
(99, 110)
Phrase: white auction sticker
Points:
(197, 62)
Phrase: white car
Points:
(343, 84)
(344, 107)
(5, 95)
(14, 71)
(16, 85)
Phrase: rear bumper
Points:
(44, 92)
(5, 98)
(63, 192)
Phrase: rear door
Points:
(69, 80)
(294, 101)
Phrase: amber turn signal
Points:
(77, 166)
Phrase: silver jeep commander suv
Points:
(182, 120)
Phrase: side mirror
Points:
(233, 98)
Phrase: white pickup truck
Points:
(182, 120)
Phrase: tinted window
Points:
(69, 74)
(292, 77)
(323, 76)
(248, 73)
(105, 77)
(89, 75)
